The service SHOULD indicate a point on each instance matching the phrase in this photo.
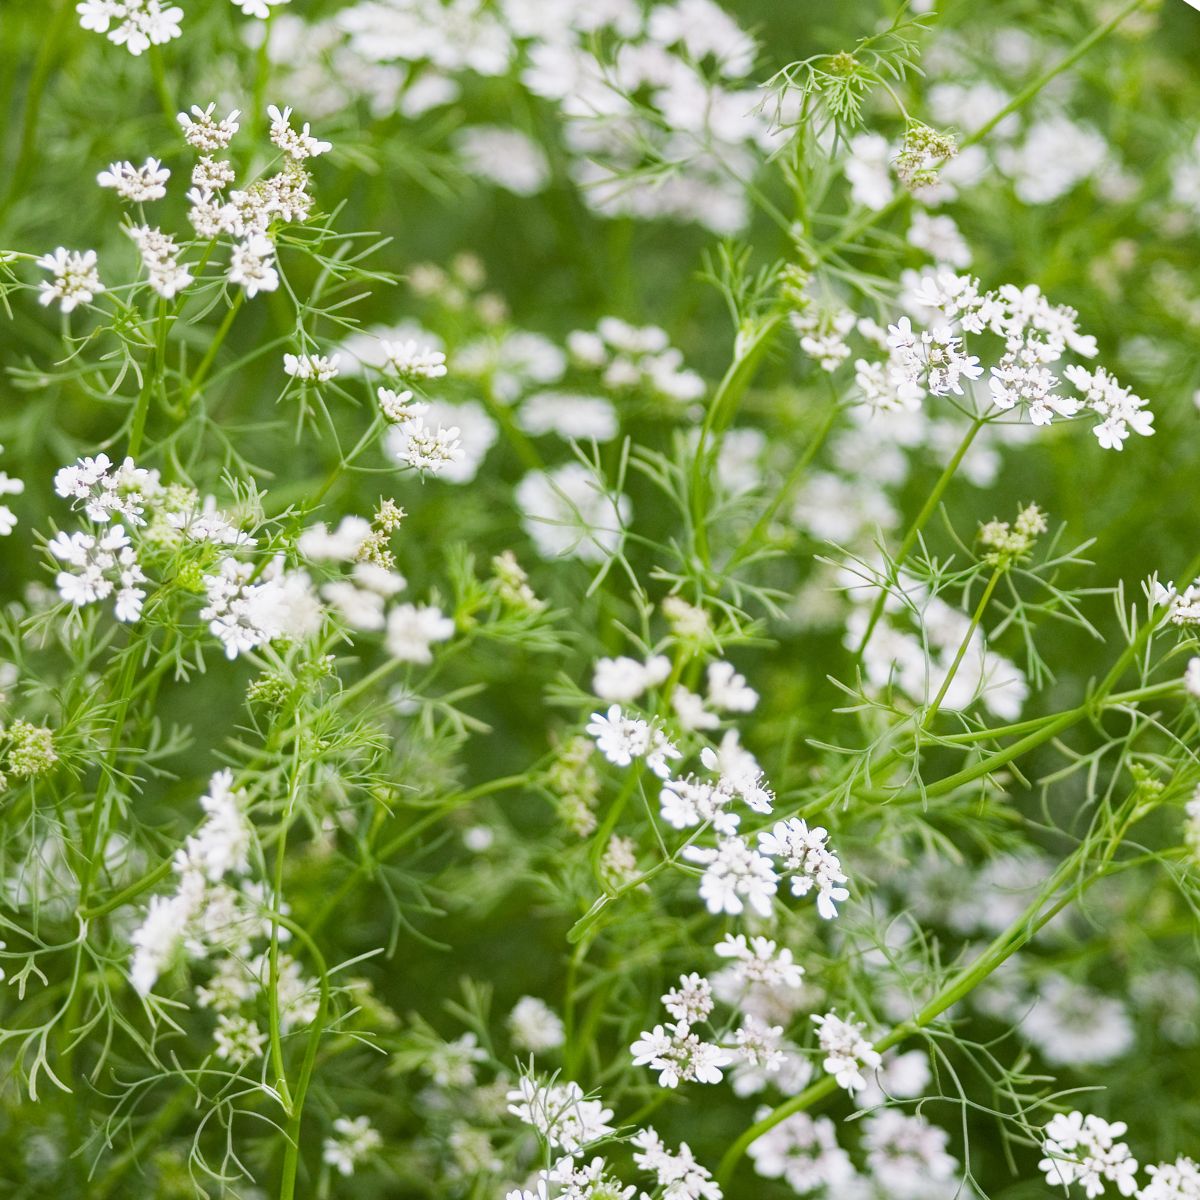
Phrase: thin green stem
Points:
(977, 616)
(914, 532)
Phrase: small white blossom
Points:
(410, 360)
(561, 1113)
(535, 1026)
(621, 739)
(413, 629)
(622, 679)
(354, 1139)
(204, 133)
(679, 1056)
(297, 144)
(734, 872)
(166, 275)
(135, 24)
(847, 1052)
(137, 184)
(311, 366)
(1084, 1150)
(252, 265)
(98, 567)
(807, 858)
(75, 281)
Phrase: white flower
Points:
(222, 843)
(760, 961)
(623, 679)
(802, 1150)
(147, 182)
(805, 853)
(566, 511)
(690, 711)
(728, 691)
(244, 614)
(107, 490)
(907, 1155)
(239, 1040)
(535, 1026)
(400, 408)
(205, 134)
(621, 739)
(75, 279)
(98, 567)
(1074, 1025)
(679, 1174)
(739, 772)
(691, 1001)
(354, 1138)
(560, 1113)
(251, 264)
(846, 1051)
(733, 872)
(311, 366)
(1191, 676)
(582, 418)
(410, 360)
(678, 1055)
(503, 156)
(463, 434)
(688, 802)
(297, 144)
(8, 519)
(343, 544)
(1179, 1180)
(415, 444)
(412, 629)
(135, 24)
(160, 258)
(1084, 1150)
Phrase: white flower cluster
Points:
(1083, 1149)
(807, 859)
(135, 24)
(847, 1052)
(622, 680)
(1036, 335)
(631, 357)
(560, 1112)
(160, 257)
(8, 487)
(248, 607)
(674, 1050)
(1183, 606)
(354, 1139)
(622, 738)
(673, 90)
(76, 280)
(727, 692)
(139, 24)
(316, 368)
(413, 441)
(201, 909)
(917, 664)
(248, 214)
(763, 984)
(97, 566)
(535, 1026)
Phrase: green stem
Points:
(748, 351)
(291, 1157)
(976, 617)
(914, 532)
